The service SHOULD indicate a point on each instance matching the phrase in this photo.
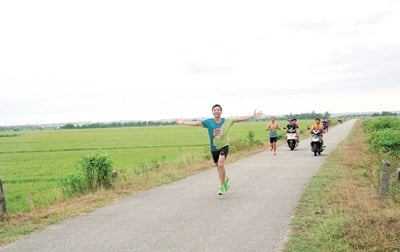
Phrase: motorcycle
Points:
(291, 138)
(316, 142)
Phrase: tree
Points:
(68, 126)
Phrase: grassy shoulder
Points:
(341, 209)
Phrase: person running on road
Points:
(218, 129)
(273, 128)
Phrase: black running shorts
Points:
(273, 139)
(223, 151)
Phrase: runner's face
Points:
(217, 112)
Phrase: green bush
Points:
(384, 134)
(386, 141)
(94, 172)
(236, 145)
(377, 124)
(98, 170)
(74, 184)
(250, 136)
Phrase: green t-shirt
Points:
(218, 132)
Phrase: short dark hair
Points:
(216, 105)
(317, 119)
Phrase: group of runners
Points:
(273, 128)
(218, 128)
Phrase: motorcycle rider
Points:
(293, 125)
(325, 122)
(318, 126)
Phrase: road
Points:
(188, 215)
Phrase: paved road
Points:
(188, 215)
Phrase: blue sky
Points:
(71, 61)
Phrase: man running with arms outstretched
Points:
(218, 129)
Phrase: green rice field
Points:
(32, 163)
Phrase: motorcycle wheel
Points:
(291, 145)
(314, 148)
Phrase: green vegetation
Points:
(95, 173)
(44, 176)
(384, 135)
(307, 116)
(384, 139)
(385, 113)
(8, 135)
(98, 125)
(35, 165)
(117, 124)
(341, 208)
(43, 183)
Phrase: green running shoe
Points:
(226, 184)
(221, 190)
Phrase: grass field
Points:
(32, 163)
(340, 209)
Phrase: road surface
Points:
(188, 215)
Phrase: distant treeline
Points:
(302, 116)
(117, 124)
(305, 116)
(22, 128)
(384, 113)
(366, 115)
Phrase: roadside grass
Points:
(341, 209)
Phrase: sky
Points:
(101, 61)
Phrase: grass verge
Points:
(341, 209)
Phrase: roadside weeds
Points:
(341, 209)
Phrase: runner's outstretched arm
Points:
(245, 118)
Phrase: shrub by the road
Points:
(94, 172)
(384, 135)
